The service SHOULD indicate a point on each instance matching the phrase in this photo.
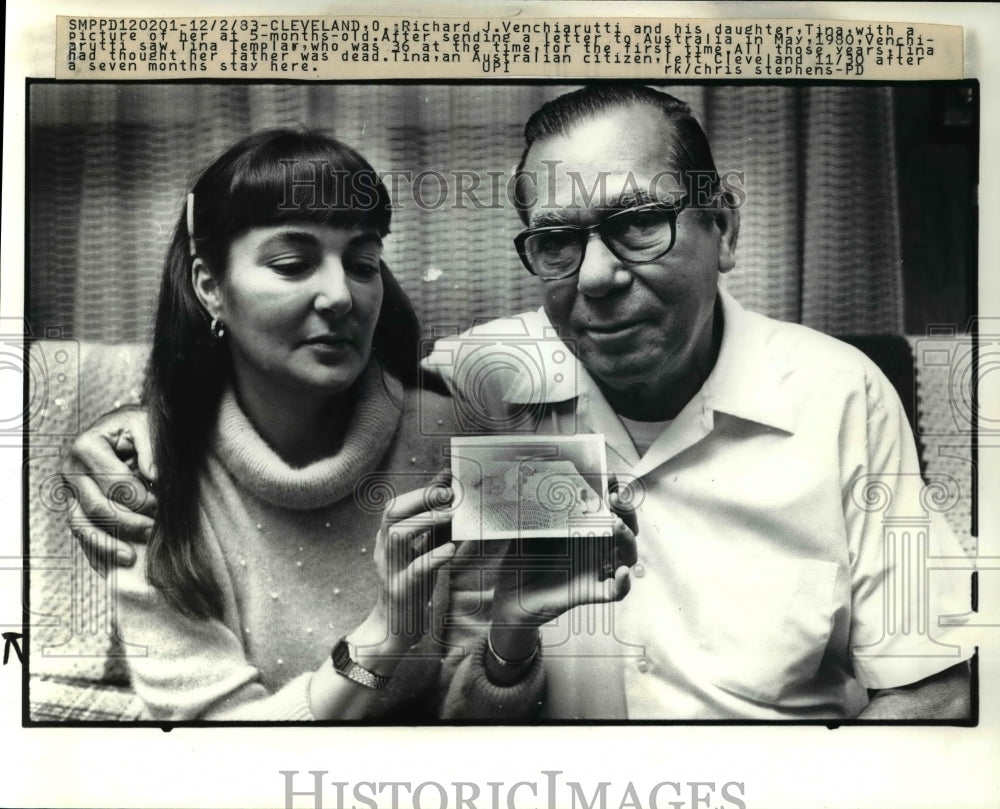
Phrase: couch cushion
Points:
(54, 699)
(71, 384)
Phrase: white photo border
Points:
(883, 766)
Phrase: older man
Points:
(766, 587)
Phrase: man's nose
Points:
(333, 294)
(601, 271)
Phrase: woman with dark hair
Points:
(282, 378)
(283, 372)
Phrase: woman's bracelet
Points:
(514, 663)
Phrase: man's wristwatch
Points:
(343, 655)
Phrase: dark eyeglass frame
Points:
(583, 236)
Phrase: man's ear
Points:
(206, 288)
(727, 220)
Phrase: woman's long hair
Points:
(270, 177)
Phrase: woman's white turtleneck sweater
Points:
(291, 549)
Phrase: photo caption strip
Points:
(378, 47)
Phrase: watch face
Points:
(341, 655)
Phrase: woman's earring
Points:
(218, 328)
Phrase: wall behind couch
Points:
(110, 165)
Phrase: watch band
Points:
(345, 664)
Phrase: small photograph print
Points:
(528, 487)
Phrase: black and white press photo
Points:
(506, 403)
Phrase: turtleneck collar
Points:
(373, 422)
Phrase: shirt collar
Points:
(558, 375)
(746, 382)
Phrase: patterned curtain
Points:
(109, 167)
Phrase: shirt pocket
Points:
(764, 626)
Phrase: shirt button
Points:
(638, 570)
(642, 665)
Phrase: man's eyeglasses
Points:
(637, 235)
